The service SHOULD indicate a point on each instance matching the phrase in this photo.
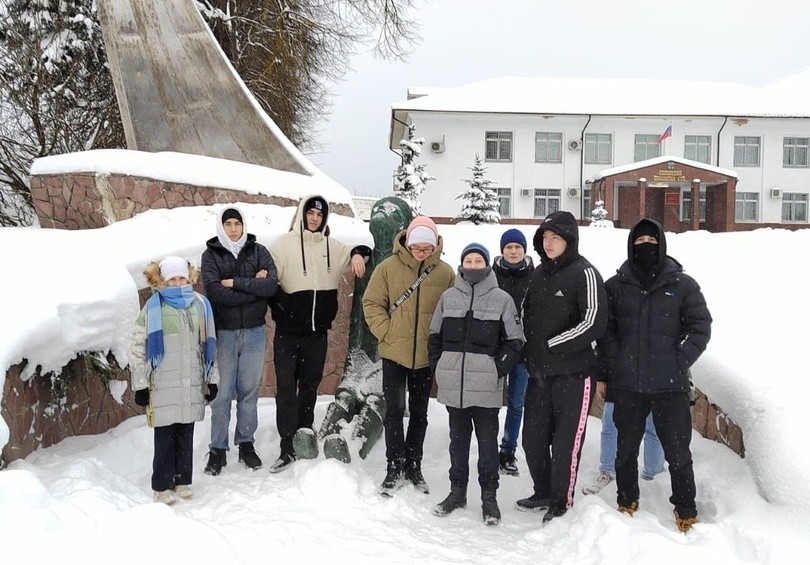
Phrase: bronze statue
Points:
(360, 391)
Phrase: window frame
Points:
(587, 206)
(747, 198)
(547, 196)
(501, 139)
(790, 147)
(504, 193)
(548, 143)
(742, 147)
(686, 205)
(597, 141)
(645, 142)
(790, 201)
(696, 141)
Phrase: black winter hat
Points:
(231, 213)
(646, 227)
(316, 202)
(563, 224)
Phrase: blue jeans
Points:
(240, 359)
(653, 452)
(515, 395)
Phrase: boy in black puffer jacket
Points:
(239, 276)
(658, 326)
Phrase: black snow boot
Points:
(413, 472)
(456, 499)
(489, 507)
(247, 455)
(508, 463)
(393, 478)
(217, 459)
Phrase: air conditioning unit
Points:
(575, 144)
(776, 193)
(573, 192)
(437, 147)
(526, 191)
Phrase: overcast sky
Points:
(463, 41)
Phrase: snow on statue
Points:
(598, 217)
(359, 398)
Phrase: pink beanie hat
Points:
(422, 230)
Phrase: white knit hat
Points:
(421, 235)
(172, 267)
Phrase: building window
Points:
(546, 201)
(598, 148)
(746, 208)
(499, 146)
(746, 151)
(547, 147)
(794, 207)
(794, 152)
(646, 147)
(698, 148)
(505, 199)
(587, 208)
(686, 205)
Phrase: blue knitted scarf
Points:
(180, 298)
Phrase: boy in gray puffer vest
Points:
(475, 339)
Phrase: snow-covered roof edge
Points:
(613, 97)
(659, 160)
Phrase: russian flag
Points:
(667, 133)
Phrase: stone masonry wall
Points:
(708, 420)
(88, 200)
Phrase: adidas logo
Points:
(559, 293)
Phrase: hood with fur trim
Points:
(155, 280)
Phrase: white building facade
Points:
(543, 140)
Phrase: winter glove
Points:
(212, 393)
(142, 397)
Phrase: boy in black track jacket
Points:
(563, 313)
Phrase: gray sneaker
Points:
(602, 481)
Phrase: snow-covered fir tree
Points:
(411, 179)
(598, 217)
(480, 203)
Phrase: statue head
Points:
(389, 216)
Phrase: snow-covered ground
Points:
(89, 497)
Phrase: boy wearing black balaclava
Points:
(658, 326)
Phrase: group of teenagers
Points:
(554, 336)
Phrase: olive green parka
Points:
(403, 334)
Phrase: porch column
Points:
(695, 211)
(642, 198)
